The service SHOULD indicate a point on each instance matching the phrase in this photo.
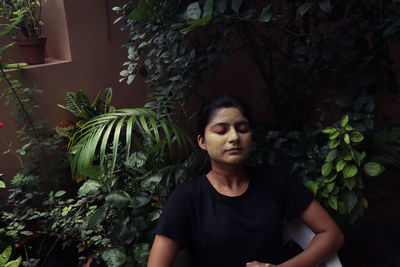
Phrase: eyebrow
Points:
(225, 123)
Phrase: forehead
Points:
(228, 115)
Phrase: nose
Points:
(233, 135)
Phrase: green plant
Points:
(5, 256)
(27, 13)
(79, 105)
(341, 185)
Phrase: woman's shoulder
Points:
(188, 189)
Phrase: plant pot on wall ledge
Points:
(32, 50)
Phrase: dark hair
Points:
(211, 106)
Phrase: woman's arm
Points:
(163, 252)
(327, 240)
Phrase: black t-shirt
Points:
(219, 230)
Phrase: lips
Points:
(234, 150)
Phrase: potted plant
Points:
(28, 29)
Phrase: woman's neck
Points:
(231, 177)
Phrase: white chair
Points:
(302, 235)
(296, 231)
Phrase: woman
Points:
(233, 215)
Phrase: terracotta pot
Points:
(32, 50)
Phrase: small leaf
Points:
(325, 5)
(193, 11)
(333, 135)
(265, 14)
(344, 121)
(364, 202)
(356, 136)
(334, 143)
(151, 182)
(326, 168)
(59, 193)
(373, 168)
(26, 233)
(236, 5)
(350, 200)
(2, 184)
(333, 203)
(304, 8)
(340, 165)
(5, 255)
(346, 139)
(350, 183)
(349, 171)
(329, 130)
(331, 155)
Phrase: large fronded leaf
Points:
(111, 133)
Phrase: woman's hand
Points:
(260, 264)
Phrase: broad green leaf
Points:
(221, 6)
(356, 136)
(329, 130)
(151, 182)
(331, 155)
(350, 200)
(140, 201)
(26, 233)
(303, 9)
(98, 216)
(141, 253)
(124, 231)
(265, 14)
(350, 183)
(236, 4)
(91, 171)
(118, 199)
(344, 121)
(208, 8)
(340, 165)
(137, 159)
(333, 202)
(349, 171)
(373, 168)
(14, 263)
(59, 193)
(325, 5)
(5, 255)
(153, 216)
(114, 257)
(2, 184)
(326, 168)
(90, 188)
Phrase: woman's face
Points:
(227, 137)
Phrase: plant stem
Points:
(50, 250)
(28, 118)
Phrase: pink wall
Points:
(84, 50)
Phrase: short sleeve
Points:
(296, 197)
(174, 219)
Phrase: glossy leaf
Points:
(90, 188)
(59, 193)
(373, 168)
(340, 165)
(193, 11)
(349, 171)
(326, 168)
(344, 121)
(114, 257)
(151, 182)
(2, 184)
(356, 136)
(5, 255)
(331, 155)
(329, 130)
(98, 216)
(118, 199)
(14, 263)
(350, 200)
(333, 202)
(350, 183)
